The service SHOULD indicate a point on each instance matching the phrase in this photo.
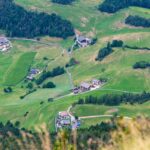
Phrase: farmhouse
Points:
(83, 41)
(96, 82)
(63, 120)
(33, 73)
(4, 44)
(85, 87)
(76, 90)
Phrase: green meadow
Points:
(117, 67)
(123, 110)
(19, 69)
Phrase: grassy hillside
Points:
(117, 67)
(19, 69)
(122, 110)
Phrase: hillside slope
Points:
(48, 53)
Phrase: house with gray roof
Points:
(85, 87)
(4, 44)
(96, 82)
(32, 73)
(83, 41)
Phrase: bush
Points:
(49, 85)
(103, 79)
(50, 100)
(141, 65)
(8, 90)
(117, 43)
(42, 102)
(138, 21)
(45, 58)
(104, 52)
(94, 40)
(64, 2)
(30, 85)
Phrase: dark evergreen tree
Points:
(141, 65)
(49, 85)
(104, 52)
(112, 6)
(18, 22)
(64, 2)
(138, 21)
(114, 100)
(117, 43)
(55, 72)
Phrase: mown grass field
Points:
(117, 67)
(19, 69)
(123, 110)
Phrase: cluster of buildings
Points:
(83, 41)
(84, 86)
(65, 120)
(33, 73)
(5, 44)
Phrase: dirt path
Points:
(95, 116)
(33, 40)
(67, 70)
(101, 116)
(70, 78)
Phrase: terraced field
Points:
(117, 67)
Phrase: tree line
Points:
(47, 74)
(112, 6)
(114, 100)
(12, 135)
(18, 22)
(64, 2)
(141, 65)
(136, 48)
(104, 52)
(137, 21)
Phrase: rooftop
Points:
(81, 38)
(34, 71)
(95, 80)
(64, 113)
(3, 40)
(85, 85)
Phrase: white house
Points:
(4, 44)
(32, 73)
(96, 82)
(83, 41)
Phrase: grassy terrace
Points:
(18, 70)
(122, 110)
(117, 67)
